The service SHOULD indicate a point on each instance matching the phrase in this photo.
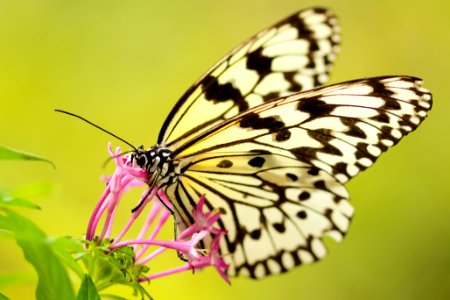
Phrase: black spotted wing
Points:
(293, 55)
(276, 171)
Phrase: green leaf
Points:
(7, 199)
(64, 247)
(10, 201)
(53, 280)
(87, 290)
(3, 297)
(8, 153)
(20, 197)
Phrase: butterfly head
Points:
(156, 158)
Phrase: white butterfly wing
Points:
(277, 170)
(293, 55)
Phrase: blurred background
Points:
(123, 64)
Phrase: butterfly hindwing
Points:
(277, 170)
(293, 55)
(276, 209)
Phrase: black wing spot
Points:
(258, 62)
(314, 171)
(292, 177)
(304, 196)
(216, 92)
(382, 118)
(257, 162)
(283, 135)
(356, 132)
(322, 135)
(253, 121)
(302, 215)
(392, 104)
(353, 129)
(279, 227)
(315, 107)
(330, 149)
(255, 234)
(225, 164)
(341, 168)
(380, 89)
(320, 184)
(363, 152)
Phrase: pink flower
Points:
(203, 221)
(214, 259)
(201, 232)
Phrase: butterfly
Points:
(272, 148)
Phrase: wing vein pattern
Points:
(272, 148)
(277, 171)
(293, 55)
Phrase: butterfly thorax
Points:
(158, 162)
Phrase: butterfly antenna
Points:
(95, 125)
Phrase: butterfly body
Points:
(272, 148)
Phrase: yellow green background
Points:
(123, 64)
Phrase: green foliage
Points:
(87, 290)
(110, 267)
(53, 282)
(20, 196)
(64, 247)
(8, 153)
(39, 250)
(52, 257)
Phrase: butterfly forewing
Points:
(349, 123)
(276, 171)
(293, 55)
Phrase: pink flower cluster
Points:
(126, 177)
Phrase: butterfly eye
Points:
(141, 160)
